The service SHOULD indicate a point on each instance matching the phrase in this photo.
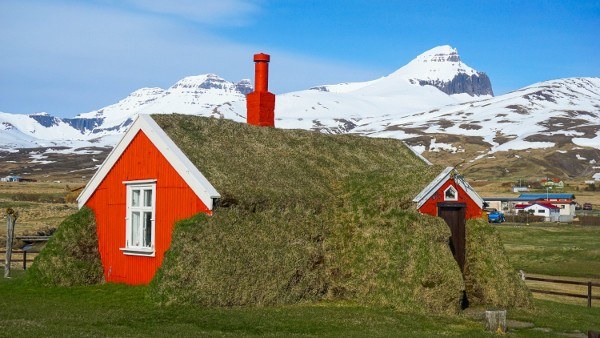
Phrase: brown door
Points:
(454, 215)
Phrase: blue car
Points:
(496, 217)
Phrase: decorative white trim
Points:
(140, 182)
(439, 181)
(420, 156)
(184, 167)
(138, 252)
(455, 198)
(141, 209)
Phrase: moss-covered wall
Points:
(489, 277)
(71, 255)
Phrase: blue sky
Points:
(69, 57)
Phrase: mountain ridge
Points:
(422, 103)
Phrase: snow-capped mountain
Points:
(436, 103)
(541, 115)
(440, 67)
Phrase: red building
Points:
(146, 175)
(146, 184)
(450, 197)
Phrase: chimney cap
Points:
(262, 57)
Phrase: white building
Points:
(11, 179)
(549, 211)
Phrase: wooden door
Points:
(454, 215)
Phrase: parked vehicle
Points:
(587, 206)
(496, 217)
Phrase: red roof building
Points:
(450, 197)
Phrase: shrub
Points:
(71, 255)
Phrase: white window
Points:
(450, 194)
(140, 218)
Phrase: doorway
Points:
(454, 215)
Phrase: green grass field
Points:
(556, 250)
(123, 311)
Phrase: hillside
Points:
(437, 103)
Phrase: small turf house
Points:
(147, 183)
(450, 197)
(143, 187)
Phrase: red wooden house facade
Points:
(450, 197)
(144, 186)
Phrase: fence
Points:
(24, 257)
(589, 285)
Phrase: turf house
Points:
(213, 212)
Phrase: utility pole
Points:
(11, 219)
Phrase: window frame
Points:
(446, 198)
(141, 185)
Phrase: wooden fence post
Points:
(11, 219)
(589, 294)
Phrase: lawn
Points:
(124, 311)
(119, 310)
(556, 250)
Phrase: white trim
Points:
(184, 167)
(420, 156)
(140, 209)
(140, 181)
(138, 252)
(437, 183)
(455, 198)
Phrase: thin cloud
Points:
(70, 58)
(224, 12)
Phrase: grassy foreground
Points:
(556, 250)
(119, 310)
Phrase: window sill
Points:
(138, 252)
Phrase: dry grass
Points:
(489, 276)
(31, 200)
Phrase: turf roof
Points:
(258, 167)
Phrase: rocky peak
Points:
(244, 86)
(210, 81)
(442, 68)
(440, 54)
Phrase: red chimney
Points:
(261, 103)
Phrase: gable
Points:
(439, 182)
(182, 165)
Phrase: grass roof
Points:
(257, 167)
(306, 216)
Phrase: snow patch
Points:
(438, 146)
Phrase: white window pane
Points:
(135, 229)
(148, 198)
(135, 198)
(147, 229)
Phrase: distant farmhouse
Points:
(553, 182)
(16, 179)
(11, 179)
(564, 202)
(550, 212)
